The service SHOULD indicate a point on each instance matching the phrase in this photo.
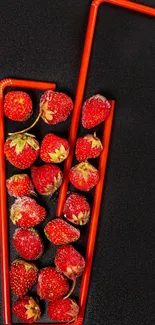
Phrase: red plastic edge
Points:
(4, 224)
(82, 82)
(106, 139)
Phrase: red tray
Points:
(63, 191)
(4, 224)
(68, 162)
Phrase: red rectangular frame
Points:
(72, 139)
(4, 224)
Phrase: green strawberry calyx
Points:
(19, 141)
(32, 310)
(46, 235)
(73, 311)
(59, 155)
(85, 169)
(81, 218)
(51, 188)
(46, 114)
(15, 215)
(27, 265)
(95, 141)
(16, 178)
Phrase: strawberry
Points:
(94, 111)
(55, 107)
(17, 106)
(51, 284)
(27, 310)
(84, 176)
(69, 261)
(87, 147)
(63, 310)
(23, 276)
(47, 178)
(77, 209)
(60, 232)
(21, 150)
(26, 212)
(54, 149)
(28, 243)
(20, 185)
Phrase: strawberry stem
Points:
(71, 321)
(29, 127)
(34, 193)
(71, 290)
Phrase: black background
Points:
(43, 40)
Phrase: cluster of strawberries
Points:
(21, 150)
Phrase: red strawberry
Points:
(60, 232)
(51, 284)
(77, 209)
(23, 276)
(27, 310)
(26, 212)
(55, 106)
(28, 243)
(21, 150)
(84, 176)
(94, 111)
(47, 178)
(70, 262)
(54, 149)
(20, 185)
(87, 147)
(17, 106)
(63, 310)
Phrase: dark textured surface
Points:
(43, 40)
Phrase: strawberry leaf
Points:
(32, 143)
